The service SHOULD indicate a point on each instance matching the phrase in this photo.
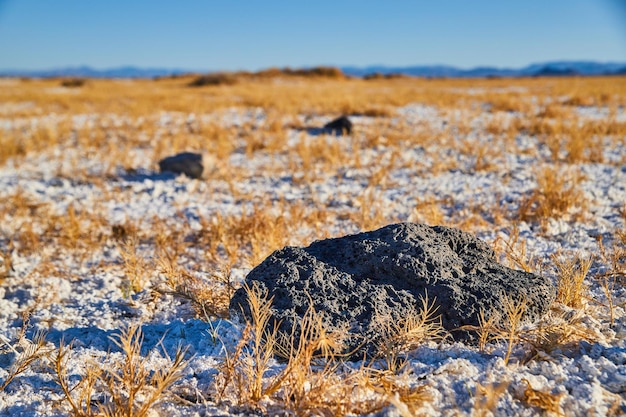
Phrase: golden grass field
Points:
(124, 127)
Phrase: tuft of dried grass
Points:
(571, 274)
(516, 251)
(217, 78)
(26, 353)
(615, 258)
(556, 195)
(560, 328)
(131, 387)
(486, 398)
(400, 337)
(79, 396)
(546, 401)
(209, 298)
(6, 254)
(502, 323)
(135, 266)
(246, 368)
(311, 380)
(73, 82)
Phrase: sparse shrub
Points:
(73, 82)
(560, 329)
(135, 267)
(217, 78)
(381, 76)
(131, 387)
(209, 298)
(399, 338)
(571, 273)
(312, 381)
(327, 72)
(502, 323)
(556, 194)
(374, 76)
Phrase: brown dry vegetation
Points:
(112, 119)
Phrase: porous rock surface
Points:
(187, 163)
(353, 279)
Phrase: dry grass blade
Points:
(571, 273)
(311, 372)
(81, 403)
(132, 387)
(513, 312)
(134, 266)
(557, 330)
(487, 327)
(209, 299)
(501, 325)
(516, 252)
(557, 194)
(244, 370)
(546, 401)
(7, 261)
(487, 397)
(263, 341)
(616, 259)
(34, 350)
(399, 337)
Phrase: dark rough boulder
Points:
(340, 126)
(187, 163)
(355, 278)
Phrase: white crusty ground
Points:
(90, 309)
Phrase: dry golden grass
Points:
(294, 94)
(132, 388)
(557, 195)
(515, 251)
(26, 353)
(571, 273)
(545, 401)
(127, 117)
(487, 397)
(312, 380)
(401, 337)
(561, 328)
(135, 267)
(209, 298)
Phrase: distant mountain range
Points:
(88, 72)
(556, 68)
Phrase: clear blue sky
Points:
(255, 34)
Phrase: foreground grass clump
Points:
(313, 380)
(130, 385)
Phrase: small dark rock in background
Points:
(340, 126)
(187, 163)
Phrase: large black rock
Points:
(187, 163)
(355, 278)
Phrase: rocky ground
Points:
(86, 248)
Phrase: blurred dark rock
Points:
(340, 126)
(187, 163)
